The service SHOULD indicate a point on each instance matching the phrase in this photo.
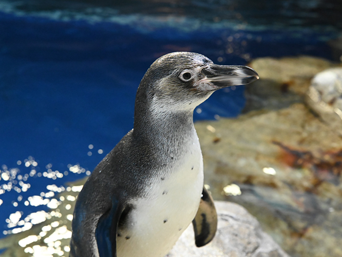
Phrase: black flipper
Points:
(106, 230)
(205, 221)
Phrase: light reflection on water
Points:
(41, 232)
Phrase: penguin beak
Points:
(220, 76)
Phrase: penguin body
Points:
(148, 189)
(164, 211)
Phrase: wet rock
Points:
(283, 82)
(286, 166)
(239, 234)
(336, 48)
(324, 97)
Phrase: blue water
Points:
(67, 87)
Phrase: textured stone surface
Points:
(282, 81)
(287, 165)
(285, 160)
(324, 97)
(239, 235)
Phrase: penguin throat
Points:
(165, 129)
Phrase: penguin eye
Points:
(186, 75)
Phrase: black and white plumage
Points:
(147, 190)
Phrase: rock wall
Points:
(280, 160)
(239, 235)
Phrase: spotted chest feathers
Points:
(156, 221)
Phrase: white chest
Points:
(169, 207)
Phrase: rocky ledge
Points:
(239, 235)
(281, 160)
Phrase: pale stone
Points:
(238, 235)
(287, 164)
(283, 82)
(324, 96)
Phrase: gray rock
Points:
(325, 97)
(336, 49)
(239, 235)
(287, 165)
(283, 82)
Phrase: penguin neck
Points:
(163, 128)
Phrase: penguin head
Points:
(183, 80)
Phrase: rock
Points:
(324, 97)
(285, 168)
(283, 82)
(239, 235)
(336, 48)
(285, 159)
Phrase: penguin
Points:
(143, 195)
